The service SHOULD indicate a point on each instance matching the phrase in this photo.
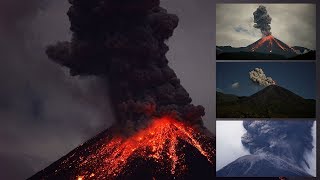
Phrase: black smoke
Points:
(289, 140)
(124, 42)
(262, 20)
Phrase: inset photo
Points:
(266, 31)
(266, 90)
(268, 148)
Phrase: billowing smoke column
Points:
(259, 77)
(288, 140)
(262, 20)
(124, 42)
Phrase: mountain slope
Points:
(311, 55)
(165, 149)
(266, 48)
(270, 44)
(260, 166)
(271, 102)
(271, 92)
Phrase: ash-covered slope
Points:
(165, 149)
(272, 45)
(277, 149)
(272, 101)
(275, 92)
(261, 166)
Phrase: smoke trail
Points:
(262, 20)
(130, 56)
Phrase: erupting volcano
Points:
(270, 44)
(165, 146)
(266, 48)
(158, 133)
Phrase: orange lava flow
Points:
(269, 39)
(158, 142)
(263, 40)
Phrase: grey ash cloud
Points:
(258, 77)
(262, 20)
(289, 140)
(130, 56)
(277, 148)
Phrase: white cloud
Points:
(235, 85)
(229, 146)
(219, 90)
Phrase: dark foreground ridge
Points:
(271, 102)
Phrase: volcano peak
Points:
(271, 102)
(270, 44)
(166, 147)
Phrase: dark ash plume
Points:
(288, 140)
(262, 20)
(124, 42)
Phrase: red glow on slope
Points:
(269, 41)
(158, 142)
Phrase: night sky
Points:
(298, 77)
(45, 113)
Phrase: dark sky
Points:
(298, 77)
(45, 113)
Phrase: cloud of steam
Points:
(235, 85)
(258, 76)
(262, 20)
(289, 140)
(125, 43)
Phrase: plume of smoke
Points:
(262, 20)
(288, 140)
(124, 42)
(258, 76)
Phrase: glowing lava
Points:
(270, 42)
(158, 142)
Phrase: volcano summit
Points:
(266, 48)
(270, 44)
(166, 149)
(271, 102)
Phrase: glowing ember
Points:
(158, 142)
